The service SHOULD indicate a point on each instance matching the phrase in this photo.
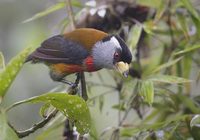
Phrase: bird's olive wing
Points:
(59, 50)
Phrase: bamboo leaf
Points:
(131, 131)
(166, 65)
(146, 90)
(8, 75)
(2, 61)
(183, 24)
(46, 12)
(190, 8)
(197, 24)
(195, 121)
(189, 103)
(6, 133)
(73, 107)
(134, 35)
(149, 27)
(188, 50)
(168, 79)
(52, 9)
(148, 3)
(160, 11)
(43, 109)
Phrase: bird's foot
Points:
(71, 84)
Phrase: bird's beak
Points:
(123, 68)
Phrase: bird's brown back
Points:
(86, 36)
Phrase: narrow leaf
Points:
(8, 75)
(49, 10)
(166, 65)
(6, 133)
(43, 109)
(73, 107)
(150, 3)
(52, 9)
(2, 61)
(160, 11)
(190, 8)
(134, 35)
(197, 24)
(188, 50)
(149, 27)
(146, 90)
(183, 24)
(189, 103)
(195, 121)
(168, 79)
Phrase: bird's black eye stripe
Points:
(121, 42)
(126, 55)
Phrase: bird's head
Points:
(112, 53)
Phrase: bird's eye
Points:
(116, 56)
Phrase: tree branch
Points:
(36, 126)
(83, 87)
(70, 14)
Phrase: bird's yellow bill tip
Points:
(123, 68)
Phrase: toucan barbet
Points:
(82, 50)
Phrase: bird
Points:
(82, 50)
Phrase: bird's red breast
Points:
(63, 68)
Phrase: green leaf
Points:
(6, 133)
(119, 107)
(129, 132)
(134, 35)
(197, 24)
(101, 102)
(183, 24)
(49, 10)
(146, 90)
(160, 11)
(8, 75)
(166, 65)
(194, 14)
(189, 103)
(190, 8)
(188, 50)
(73, 107)
(195, 121)
(2, 61)
(149, 27)
(77, 3)
(52, 9)
(168, 79)
(43, 109)
(150, 3)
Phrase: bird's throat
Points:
(89, 64)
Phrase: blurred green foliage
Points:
(163, 104)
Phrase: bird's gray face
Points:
(108, 53)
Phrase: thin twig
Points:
(36, 126)
(83, 86)
(70, 14)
